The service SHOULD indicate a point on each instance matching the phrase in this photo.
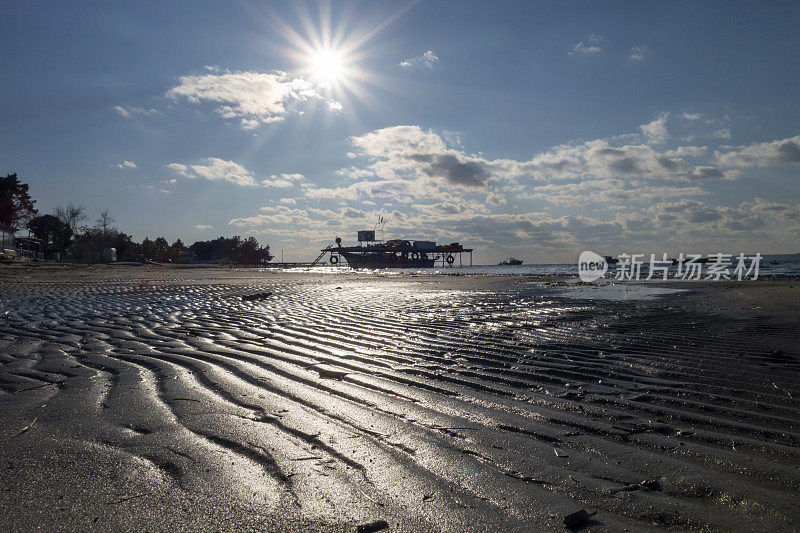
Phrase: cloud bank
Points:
(767, 154)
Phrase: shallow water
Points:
(786, 268)
(616, 292)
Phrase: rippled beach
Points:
(243, 399)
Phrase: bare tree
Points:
(71, 216)
(104, 221)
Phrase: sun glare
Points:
(329, 51)
(327, 66)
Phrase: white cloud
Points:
(767, 154)
(691, 116)
(609, 192)
(426, 60)
(496, 198)
(687, 151)
(204, 227)
(216, 169)
(411, 157)
(657, 129)
(638, 53)
(288, 201)
(337, 193)
(255, 98)
(163, 186)
(589, 48)
(723, 133)
(282, 181)
(408, 163)
(696, 216)
(126, 164)
(279, 214)
(584, 50)
(785, 212)
(128, 111)
(412, 168)
(293, 222)
(122, 111)
(599, 159)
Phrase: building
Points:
(15, 248)
(8, 243)
(31, 248)
(7, 240)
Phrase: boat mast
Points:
(380, 223)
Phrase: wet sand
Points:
(158, 398)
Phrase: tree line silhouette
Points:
(64, 232)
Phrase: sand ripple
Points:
(439, 403)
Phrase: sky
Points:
(533, 129)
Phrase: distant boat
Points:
(510, 261)
(611, 260)
(775, 262)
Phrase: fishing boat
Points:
(394, 253)
(510, 261)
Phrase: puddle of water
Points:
(616, 292)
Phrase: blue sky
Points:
(537, 129)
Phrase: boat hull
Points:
(385, 260)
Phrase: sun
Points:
(330, 54)
(327, 65)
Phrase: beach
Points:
(243, 399)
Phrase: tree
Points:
(231, 249)
(104, 221)
(122, 242)
(16, 206)
(147, 248)
(131, 251)
(263, 254)
(176, 251)
(161, 250)
(51, 230)
(251, 253)
(90, 244)
(71, 216)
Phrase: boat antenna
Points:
(380, 222)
